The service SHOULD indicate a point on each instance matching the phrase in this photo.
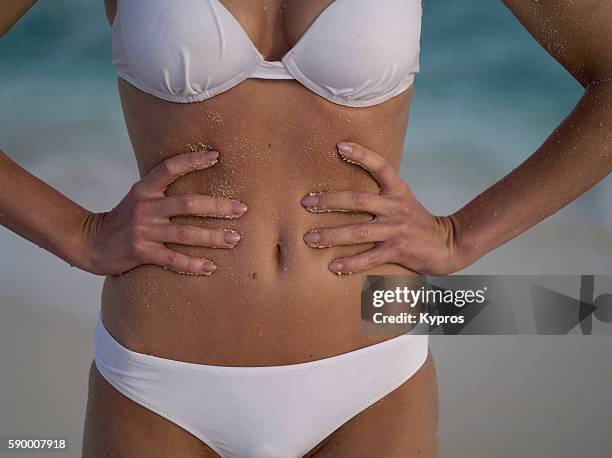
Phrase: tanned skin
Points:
(272, 296)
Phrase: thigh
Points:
(403, 424)
(117, 426)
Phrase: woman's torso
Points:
(272, 299)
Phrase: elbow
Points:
(589, 83)
(5, 27)
(3, 30)
(591, 76)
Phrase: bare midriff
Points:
(273, 299)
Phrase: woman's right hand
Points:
(134, 232)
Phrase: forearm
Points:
(576, 156)
(39, 213)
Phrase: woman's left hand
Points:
(403, 231)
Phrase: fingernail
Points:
(238, 208)
(209, 267)
(336, 266)
(310, 201)
(231, 237)
(210, 155)
(313, 237)
(345, 148)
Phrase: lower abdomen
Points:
(271, 301)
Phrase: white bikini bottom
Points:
(260, 412)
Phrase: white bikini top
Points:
(355, 53)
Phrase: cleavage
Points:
(274, 27)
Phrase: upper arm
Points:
(11, 11)
(577, 33)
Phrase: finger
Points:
(353, 234)
(382, 171)
(361, 262)
(179, 262)
(199, 205)
(165, 173)
(319, 202)
(183, 234)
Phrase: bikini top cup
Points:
(356, 52)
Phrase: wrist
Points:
(446, 260)
(464, 251)
(80, 248)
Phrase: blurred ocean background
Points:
(486, 98)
